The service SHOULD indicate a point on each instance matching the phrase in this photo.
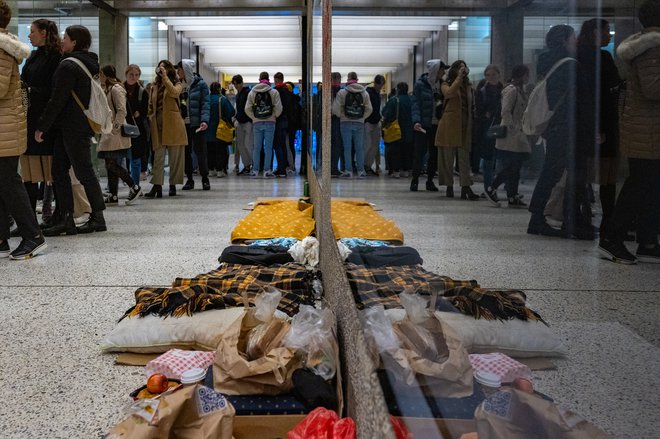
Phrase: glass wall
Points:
(147, 43)
(469, 40)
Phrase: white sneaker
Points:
(362, 174)
(346, 174)
(82, 219)
(404, 174)
(269, 174)
(395, 175)
(254, 174)
(221, 174)
(213, 173)
(290, 172)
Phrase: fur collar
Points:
(637, 44)
(10, 44)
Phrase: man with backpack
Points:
(282, 125)
(352, 106)
(263, 106)
(243, 125)
(372, 128)
(198, 99)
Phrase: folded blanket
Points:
(482, 303)
(355, 219)
(275, 219)
(260, 255)
(373, 257)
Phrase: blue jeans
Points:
(136, 168)
(263, 133)
(352, 135)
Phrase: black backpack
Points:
(263, 105)
(354, 105)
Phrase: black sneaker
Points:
(4, 249)
(491, 194)
(190, 185)
(28, 248)
(133, 195)
(111, 199)
(517, 202)
(651, 255)
(544, 229)
(206, 185)
(616, 252)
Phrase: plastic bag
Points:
(412, 333)
(415, 305)
(400, 429)
(378, 329)
(268, 335)
(343, 429)
(313, 332)
(322, 423)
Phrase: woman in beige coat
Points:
(513, 149)
(168, 131)
(14, 199)
(113, 147)
(454, 135)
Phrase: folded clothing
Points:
(359, 242)
(382, 285)
(357, 219)
(277, 242)
(373, 257)
(258, 255)
(491, 304)
(234, 280)
(275, 219)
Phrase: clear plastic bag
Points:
(415, 305)
(268, 335)
(313, 332)
(414, 332)
(378, 329)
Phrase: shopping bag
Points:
(225, 131)
(392, 132)
(192, 412)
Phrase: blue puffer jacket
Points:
(227, 113)
(199, 102)
(423, 102)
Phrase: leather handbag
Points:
(392, 131)
(130, 130)
(225, 131)
(496, 131)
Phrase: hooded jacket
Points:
(640, 121)
(241, 100)
(13, 125)
(340, 100)
(199, 102)
(274, 96)
(62, 109)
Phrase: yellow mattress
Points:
(358, 219)
(276, 219)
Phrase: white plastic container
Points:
(490, 383)
(193, 376)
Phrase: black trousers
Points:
(72, 150)
(115, 172)
(638, 200)
(337, 145)
(397, 156)
(218, 155)
(14, 201)
(425, 143)
(510, 174)
(279, 143)
(197, 143)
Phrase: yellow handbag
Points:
(392, 131)
(225, 131)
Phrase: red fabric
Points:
(322, 423)
(400, 429)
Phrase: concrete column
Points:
(171, 43)
(507, 32)
(113, 41)
(12, 27)
(440, 45)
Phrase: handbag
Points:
(130, 130)
(496, 131)
(392, 131)
(225, 131)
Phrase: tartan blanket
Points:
(491, 304)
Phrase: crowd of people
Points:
(446, 125)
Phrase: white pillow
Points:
(515, 338)
(151, 334)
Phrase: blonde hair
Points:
(133, 67)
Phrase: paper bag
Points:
(234, 374)
(193, 412)
(450, 376)
(513, 414)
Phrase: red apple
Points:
(157, 383)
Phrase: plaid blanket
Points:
(482, 303)
(382, 285)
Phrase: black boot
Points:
(413, 184)
(467, 194)
(172, 190)
(206, 185)
(62, 225)
(155, 192)
(450, 191)
(430, 186)
(190, 185)
(96, 223)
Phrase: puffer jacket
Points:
(13, 122)
(640, 121)
(338, 103)
(423, 102)
(62, 109)
(404, 118)
(227, 113)
(199, 102)
(274, 97)
(114, 141)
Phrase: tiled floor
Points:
(56, 384)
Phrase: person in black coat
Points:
(282, 125)
(600, 138)
(72, 140)
(137, 99)
(488, 109)
(37, 75)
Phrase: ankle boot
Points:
(172, 190)
(467, 194)
(206, 185)
(96, 223)
(155, 192)
(190, 185)
(413, 184)
(450, 191)
(430, 186)
(62, 225)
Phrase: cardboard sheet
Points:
(129, 359)
(538, 363)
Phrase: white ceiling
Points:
(248, 45)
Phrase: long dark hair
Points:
(215, 88)
(53, 41)
(452, 74)
(81, 35)
(558, 35)
(110, 74)
(587, 37)
(170, 70)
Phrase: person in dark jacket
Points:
(197, 97)
(72, 137)
(282, 125)
(137, 99)
(399, 108)
(218, 150)
(426, 111)
(37, 75)
(243, 125)
(488, 108)
(295, 124)
(561, 140)
(372, 128)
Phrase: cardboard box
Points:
(439, 428)
(265, 427)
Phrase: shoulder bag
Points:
(392, 131)
(225, 131)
